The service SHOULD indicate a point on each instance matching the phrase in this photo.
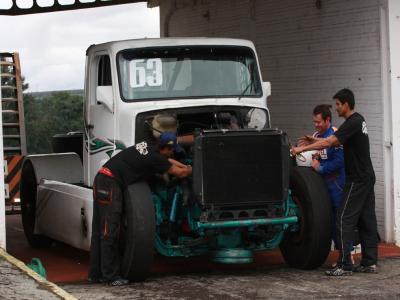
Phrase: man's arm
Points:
(178, 169)
(307, 140)
(176, 163)
(186, 140)
(328, 142)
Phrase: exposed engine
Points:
(243, 180)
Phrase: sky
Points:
(52, 46)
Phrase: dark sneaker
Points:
(97, 280)
(338, 271)
(334, 265)
(119, 282)
(366, 269)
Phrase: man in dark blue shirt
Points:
(357, 209)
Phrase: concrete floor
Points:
(15, 284)
(197, 278)
(278, 282)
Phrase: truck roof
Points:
(116, 46)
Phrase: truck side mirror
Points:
(104, 95)
(266, 88)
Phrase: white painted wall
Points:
(306, 53)
(387, 124)
(394, 57)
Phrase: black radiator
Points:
(241, 168)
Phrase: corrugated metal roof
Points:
(16, 9)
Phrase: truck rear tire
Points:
(28, 190)
(308, 247)
(138, 232)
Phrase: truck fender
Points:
(64, 167)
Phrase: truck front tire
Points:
(28, 190)
(138, 232)
(308, 247)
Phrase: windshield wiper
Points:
(245, 90)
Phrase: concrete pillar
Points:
(394, 58)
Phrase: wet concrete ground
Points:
(14, 284)
(197, 278)
(279, 282)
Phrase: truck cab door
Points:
(99, 115)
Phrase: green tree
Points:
(59, 113)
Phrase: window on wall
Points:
(104, 71)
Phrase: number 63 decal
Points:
(145, 72)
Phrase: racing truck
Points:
(246, 193)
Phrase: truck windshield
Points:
(188, 72)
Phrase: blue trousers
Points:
(335, 195)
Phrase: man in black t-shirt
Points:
(136, 163)
(357, 208)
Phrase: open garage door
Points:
(309, 50)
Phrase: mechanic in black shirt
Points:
(136, 163)
(357, 208)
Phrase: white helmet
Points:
(304, 159)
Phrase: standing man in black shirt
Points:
(358, 204)
(136, 163)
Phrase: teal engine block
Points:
(183, 231)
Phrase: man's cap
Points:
(169, 139)
(163, 123)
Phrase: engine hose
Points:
(172, 214)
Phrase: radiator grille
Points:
(241, 168)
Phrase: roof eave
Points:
(15, 10)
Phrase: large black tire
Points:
(28, 192)
(138, 232)
(309, 247)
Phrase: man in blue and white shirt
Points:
(329, 162)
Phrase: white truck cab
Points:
(127, 78)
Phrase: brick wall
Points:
(306, 53)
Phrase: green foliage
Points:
(59, 113)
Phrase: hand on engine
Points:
(296, 150)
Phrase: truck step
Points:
(10, 125)
(10, 111)
(6, 63)
(12, 149)
(11, 136)
(9, 99)
(9, 87)
(7, 75)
